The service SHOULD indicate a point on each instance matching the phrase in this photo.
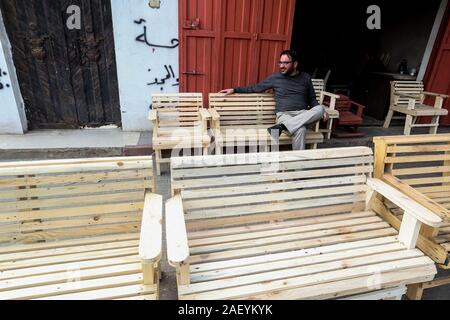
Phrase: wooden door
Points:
(228, 43)
(437, 77)
(67, 77)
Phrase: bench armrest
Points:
(204, 114)
(214, 114)
(151, 229)
(410, 207)
(419, 197)
(432, 94)
(177, 242)
(359, 108)
(331, 95)
(153, 115)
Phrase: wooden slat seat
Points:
(407, 97)
(79, 229)
(290, 225)
(179, 122)
(419, 166)
(258, 135)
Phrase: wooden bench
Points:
(419, 166)
(242, 120)
(179, 122)
(289, 225)
(79, 229)
(407, 97)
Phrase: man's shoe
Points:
(277, 130)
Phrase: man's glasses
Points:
(284, 63)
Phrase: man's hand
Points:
(326, 116)
(227, 91)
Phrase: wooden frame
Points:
(407, 97)
(418, 166)
(330, 107)
(291, 225)
(179, 122)
(80, 229)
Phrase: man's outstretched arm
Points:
(260, 87)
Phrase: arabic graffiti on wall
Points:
(170, 74)
(3, 79)
(144, 38)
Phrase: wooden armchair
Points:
(179, 122)
(407, 97)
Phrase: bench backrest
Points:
(68, 199)
(319, 87)
(177, 110)
(244, 110)
(420, 161)
(411, 88)
(250, 188)
(253, 109)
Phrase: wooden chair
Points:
(290, 225)
(419, 166)
(350, 116)
(407, 97)
(79, 229)
(179, 122)
(319, 88)
(240, 120)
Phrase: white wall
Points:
(140, 64)
(12, 113)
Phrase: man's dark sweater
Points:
(291, 93)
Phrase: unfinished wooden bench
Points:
(240, 120)
(290, 225)
(79, 229)
(419, 166)
(179, 123)
(407, 98)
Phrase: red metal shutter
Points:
(437, 77)
(226, 43)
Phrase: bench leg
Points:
(415, 291)
(388, 119)
(329, 127)
(149, 273)
(408, 123)
(158, 156)
(434, 121)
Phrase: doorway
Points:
(67, 77)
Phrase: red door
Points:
(227, 43)
(437, 77)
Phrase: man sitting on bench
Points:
(294, 94)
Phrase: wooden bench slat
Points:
(354, 286)
(294, 245)
(72, 287)
(125, 291)
(385, 242)
(302, 281)
(64, 267)
(296, 267)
